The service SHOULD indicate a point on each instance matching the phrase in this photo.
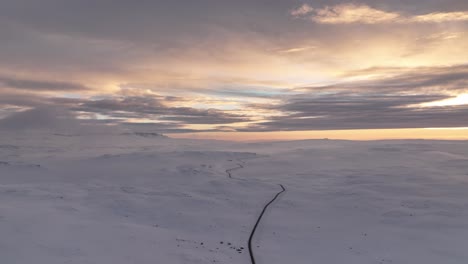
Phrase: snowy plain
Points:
(142, 198)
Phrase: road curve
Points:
(259, 219)
(252, 233)
(228, 171)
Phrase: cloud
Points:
(222, 65)
(36, 85)
(350, 13)
(341, 111)
(420, 80)
(169, 127)
(297, 49)
(44, 117)
(393, 98)
(302, 10)
(20, 99)
(440, 17)
(129, 107)
(154, 109)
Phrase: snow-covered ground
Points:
(141, 198)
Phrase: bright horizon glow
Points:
(362, 134)
(461, 99)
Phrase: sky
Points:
(255, 69)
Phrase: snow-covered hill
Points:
(121, 199)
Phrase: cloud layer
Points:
(254, 65)
(348, 13)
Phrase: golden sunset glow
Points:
(367, 134)
(461, 99)
(289, 69)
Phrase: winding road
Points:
(228, 171)
(252, 233)
(259, 219)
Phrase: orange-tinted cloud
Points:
(361, 13)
